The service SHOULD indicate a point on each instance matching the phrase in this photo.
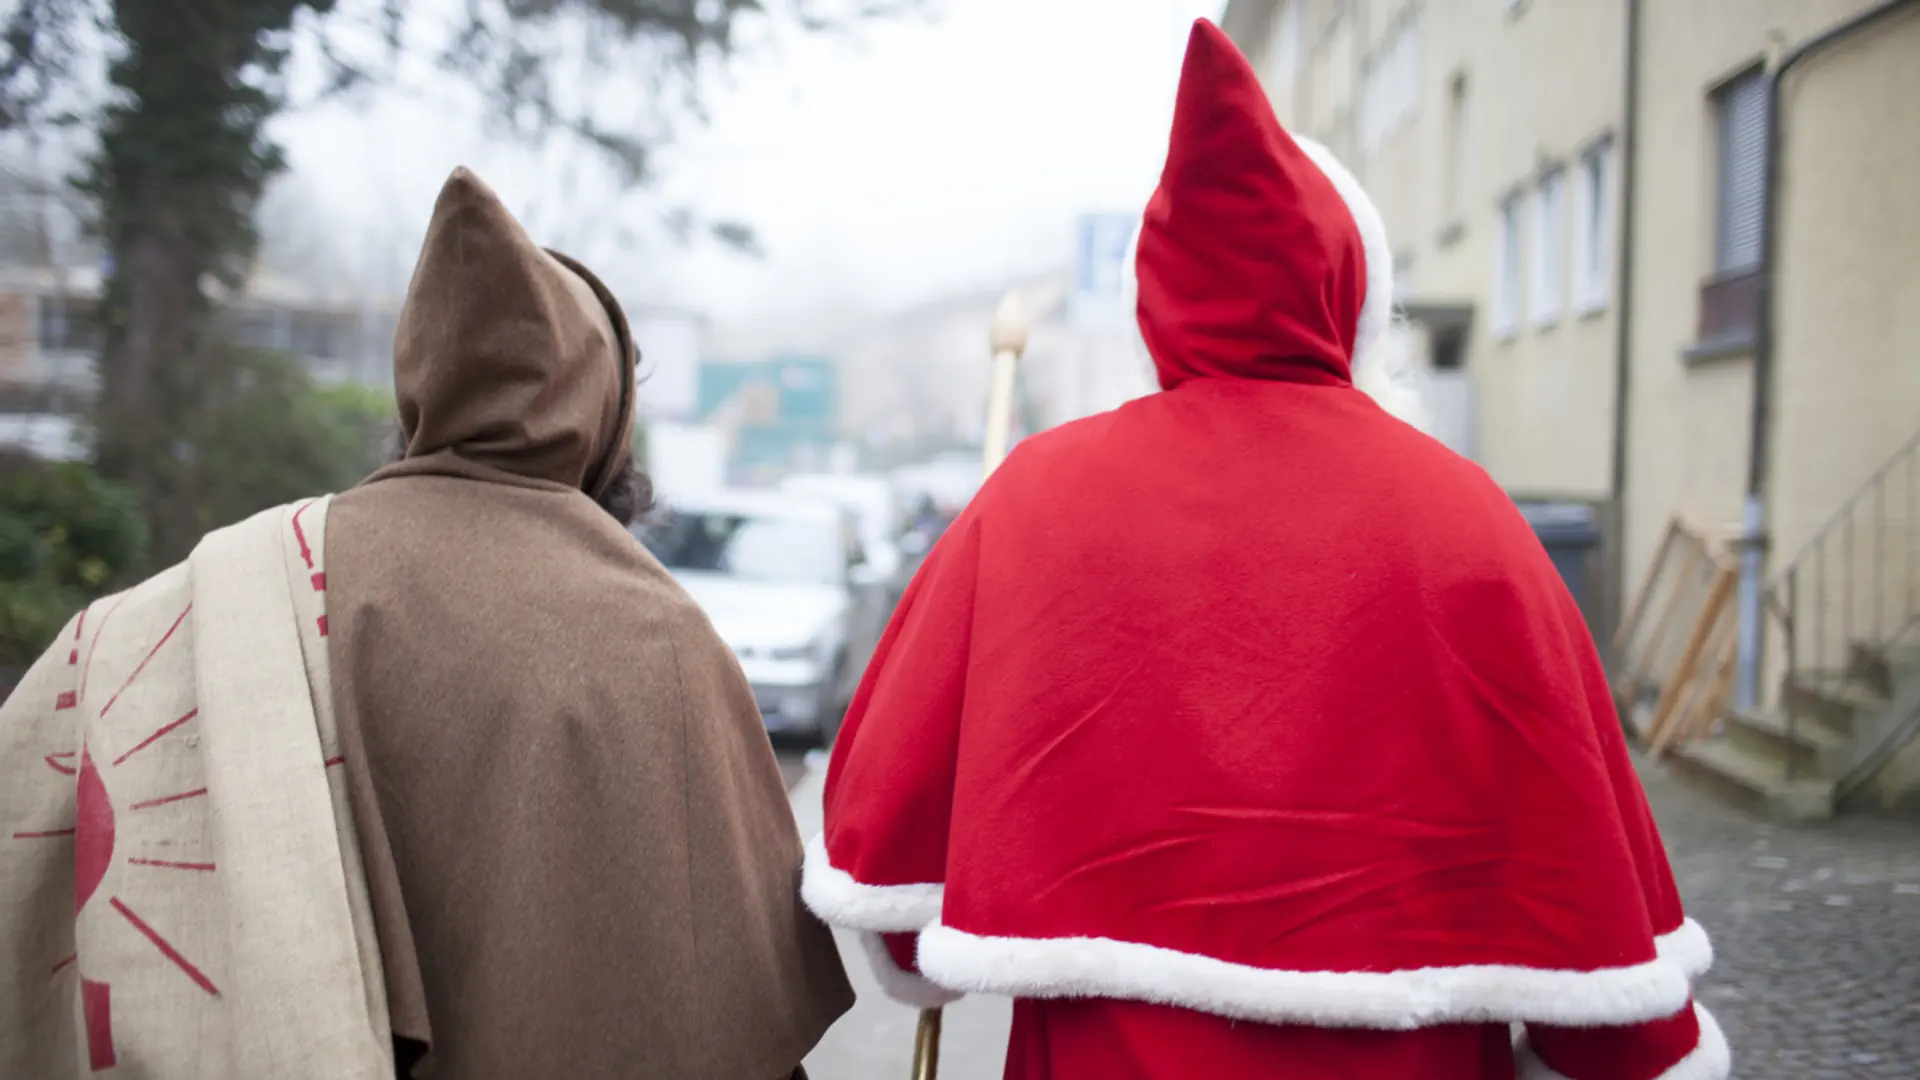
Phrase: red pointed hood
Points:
(1259, 256)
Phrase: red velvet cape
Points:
(1249, 698)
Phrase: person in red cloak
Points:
(1246, 731)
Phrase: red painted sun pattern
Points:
(94, 827)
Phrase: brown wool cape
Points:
(579, 849)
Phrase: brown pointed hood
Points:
(510, 356)
(579, 850)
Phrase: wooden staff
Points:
(1008, 339)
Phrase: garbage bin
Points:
(1571, 534)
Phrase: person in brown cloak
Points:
(441, 777)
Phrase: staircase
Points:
(1843, 731)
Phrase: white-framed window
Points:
(1456, 163)
(1284, 48)
(1390, 83)
(1593, 227)
(1549, 262)
(1505, 314)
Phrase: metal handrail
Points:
(1816, 596)
(1867, 487)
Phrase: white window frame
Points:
(1390, 84)
(1592, 238)
(1456, 158)
(1504, 306)
(1547, 269)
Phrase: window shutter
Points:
(1742, 180)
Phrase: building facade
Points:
(1561, 235)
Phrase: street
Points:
(1816, 934)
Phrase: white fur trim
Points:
(1377, 308)
(1710, 1059)
(1398, 1000)
(1688, 948)
(903, 986)
(1388, 377)
(837, 898)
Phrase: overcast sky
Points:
(919, 158)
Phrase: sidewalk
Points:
(875, 1040)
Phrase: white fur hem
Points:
(838, 899)
(1710, 1059)
(903, 986)
(1687, 947)
(1398, 1000)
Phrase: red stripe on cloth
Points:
(320, 581)
(47, 834)
(94, 645)
(300, 534)
(149, 659)
(73, 654)
(323, 625)
(149, 740)
(171, 953)
(96, 1010)
(167, 865)
(151, 803)
(332, 761)
(67, 700)
(53, 763)
(62, 965)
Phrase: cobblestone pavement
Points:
(1816, 934)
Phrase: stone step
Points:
(1753, 782)
(1881, 667)
(1809, 743)
(1834, 699)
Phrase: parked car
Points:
(876, 511)
(782, 578)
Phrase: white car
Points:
(875, 507)
(779, 577)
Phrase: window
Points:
(1593, 227)
(1549, 247)
(1284, 48)
(1740, 180)
(1730, 297)
(1506, 268)
(1390, 84)
(68, 324)
(1456, 163)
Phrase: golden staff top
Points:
(1008, 339)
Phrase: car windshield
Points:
(782, 550)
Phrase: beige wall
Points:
(1848, 374)
(1541, 83)
(1842, 406)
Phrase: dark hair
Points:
(628, 495)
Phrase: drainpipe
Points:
(1754, 516)
(1623, 314)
